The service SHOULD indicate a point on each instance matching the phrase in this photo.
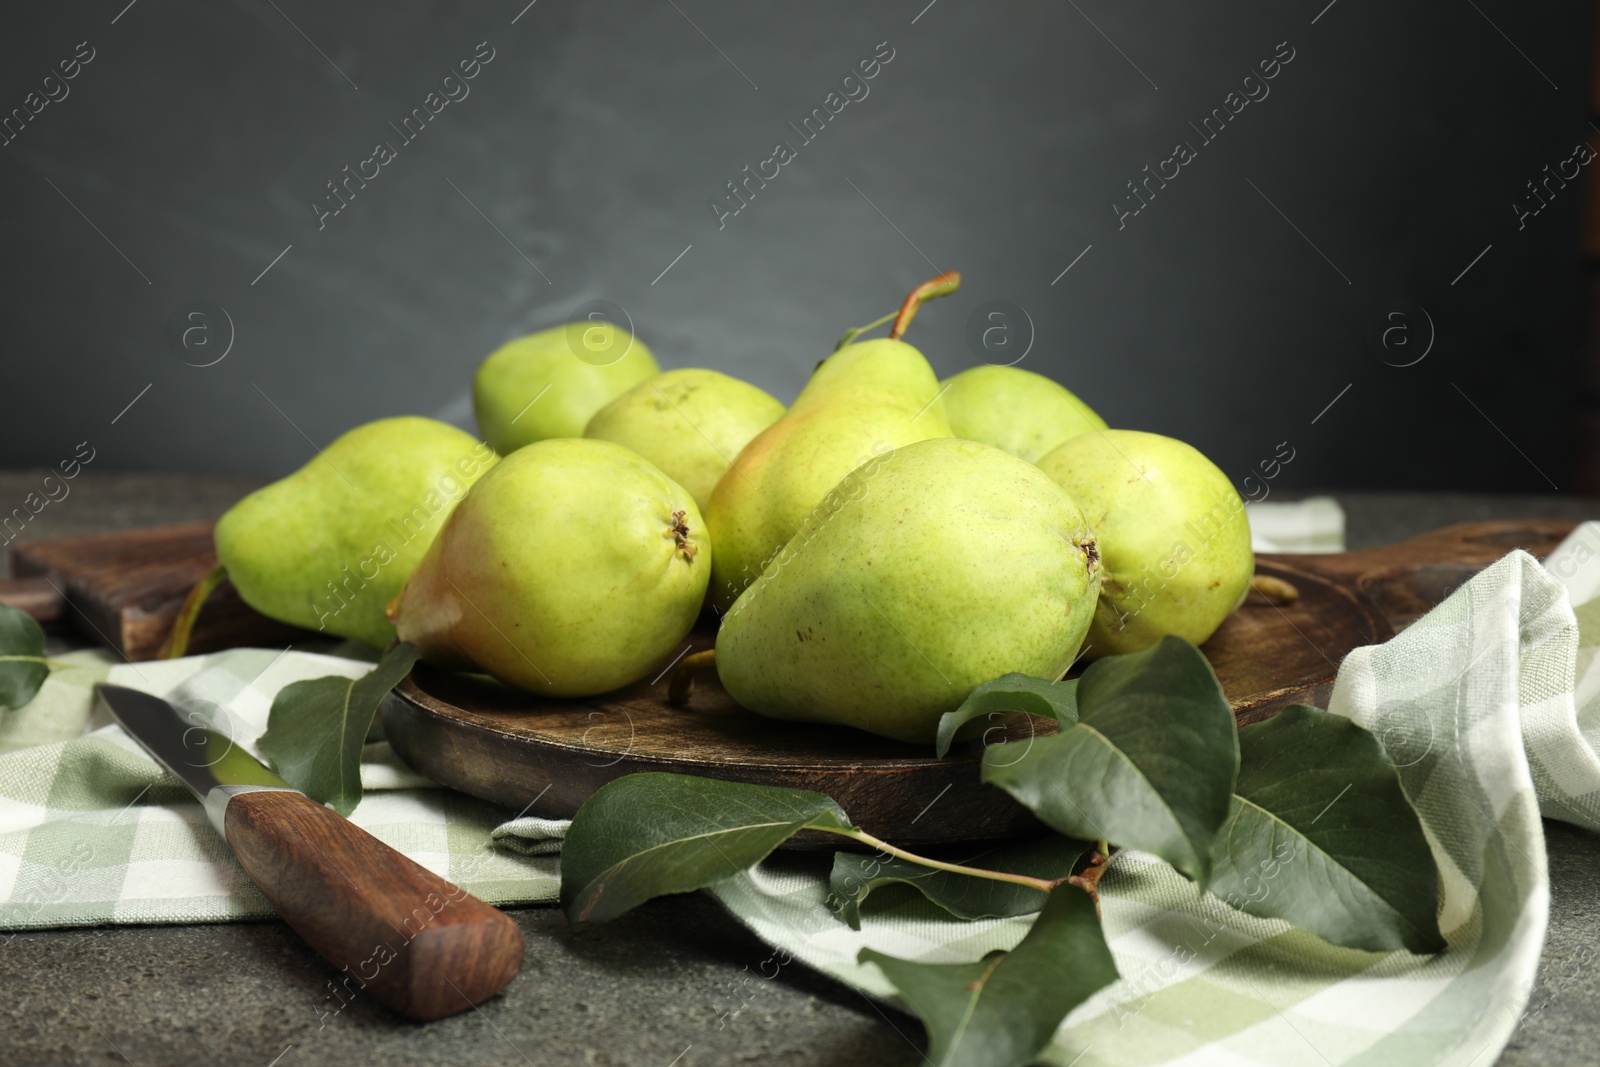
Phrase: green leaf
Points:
(1000, 1011)
(966, 897)
(1150, 764)
(1010, 695)
(316, 729)
(648, 835)
(23, 667)
(1321, 834)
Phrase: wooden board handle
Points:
(422, 946)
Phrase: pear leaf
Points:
(1321, 834)
(23, 667)
(1001, 1010)
(1150, 763)
(316, 729)
(962, 895)
(648, 835)
(1009, 695)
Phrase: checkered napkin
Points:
(1315, 524)
(92, 831)
(1490, 704)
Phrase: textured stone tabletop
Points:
(647, 989)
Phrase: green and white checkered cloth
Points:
(92, 831)
(1491, 704)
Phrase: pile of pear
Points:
(871, 554)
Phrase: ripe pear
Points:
(327, 547)
(571, 569)
(864, 400)
(933, 568)
(691, 423)
(1174, 538)
(549, 384)
(1022, 412)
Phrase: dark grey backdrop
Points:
(1231, 311)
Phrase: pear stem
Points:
(682, 683)
(177, 642)
(1087, 880)
(943, 285)
(1275, 589)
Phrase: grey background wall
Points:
(1378, 178)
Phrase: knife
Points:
(422, 946)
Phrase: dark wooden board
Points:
(124, 589)
(547, 756)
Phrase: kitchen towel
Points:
(1315, 524)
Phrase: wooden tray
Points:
(548, 756)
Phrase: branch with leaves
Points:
(1145, 754)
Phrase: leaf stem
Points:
(1088, 879)
(54, 664)
(851, 335)
(177, 642)
(1043, 885)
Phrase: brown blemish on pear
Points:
(680, 533)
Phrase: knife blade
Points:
(422, 946)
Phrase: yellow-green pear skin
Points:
(550, 384)
(1174, 537)
(861, 402)
(932, 569)
(1017, 410)
(691, 423)
(573, 568)
(330, 545)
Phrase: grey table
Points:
(648, 989)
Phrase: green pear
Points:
(572, 568)
(932, 569)
(690, 423)
(330, 545)
(1022, 412)
(549, 384)
(1174, 538)
(865, 399)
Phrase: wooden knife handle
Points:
(420, 945)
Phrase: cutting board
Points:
(124, 589)
(546, 757)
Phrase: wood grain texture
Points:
(38, 598)
(124, 589)
(1405, 580)
(548, 756)
(423, 947)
